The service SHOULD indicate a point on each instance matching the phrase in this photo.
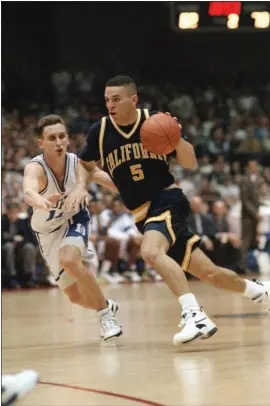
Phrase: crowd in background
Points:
(228, 127)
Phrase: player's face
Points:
(54, 140)
(120, 103)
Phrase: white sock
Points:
(253, 289)
(188, 302)
(106, 266)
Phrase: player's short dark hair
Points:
(51, 119)
(122, 80)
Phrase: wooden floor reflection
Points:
(41, 330)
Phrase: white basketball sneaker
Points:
(15, 387)
(109, 325)
(195, 324)
(264, 297)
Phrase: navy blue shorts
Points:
(168, 213)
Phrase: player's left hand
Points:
(175, 118)
(75, 198)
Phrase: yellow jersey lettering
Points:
(136, 151)
(144, 152)
(128, 150)
(117, 161)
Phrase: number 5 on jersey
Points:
(137, 172)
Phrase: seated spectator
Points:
(18, 248)
(264, 192)
(218, 145)
(229, 188)
(122, 241)
(203, 226)
(227, 244)
(187, 185)
(207, 192)
(235, 168)
(205, 168)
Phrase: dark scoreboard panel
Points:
(220, 16)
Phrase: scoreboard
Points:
(220, 16)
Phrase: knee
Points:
(150, 254)
(213, 276)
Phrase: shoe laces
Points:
(108, 321)
(187, 315)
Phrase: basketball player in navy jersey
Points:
(159, 207)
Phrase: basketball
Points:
(160, 134)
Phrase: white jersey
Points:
(55, 228)
(44, 221)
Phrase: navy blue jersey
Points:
(137, 173)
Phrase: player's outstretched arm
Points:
(185, 155)
(33, 176)
(87, 172)
(102, 178)
(80, 193)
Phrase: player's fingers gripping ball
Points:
(160, 134)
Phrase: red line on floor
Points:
(102, 392)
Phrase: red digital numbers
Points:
(224, 8)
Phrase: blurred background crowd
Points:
(224, 110)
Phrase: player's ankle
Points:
(188, 302)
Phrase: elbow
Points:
(186, 157)
(191, 165)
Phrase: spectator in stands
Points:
(208, 192)
(122, 241)
(227, 244)
(205, 168)
(202, 225)
(18, 247)
(218, 145)
(264, 194)
(228, 188)
(250, 209)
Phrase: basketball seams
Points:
(169, 135)
(148, 132)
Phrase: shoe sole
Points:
(198, 335)
(210, 334)
(202, 336)
(114, 336)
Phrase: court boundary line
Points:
(102, 392)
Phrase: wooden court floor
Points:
(41, 330)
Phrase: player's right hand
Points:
(75, 198)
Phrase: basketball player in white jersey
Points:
(63, 235)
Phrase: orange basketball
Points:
(160, 134)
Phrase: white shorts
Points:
(76, 235)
